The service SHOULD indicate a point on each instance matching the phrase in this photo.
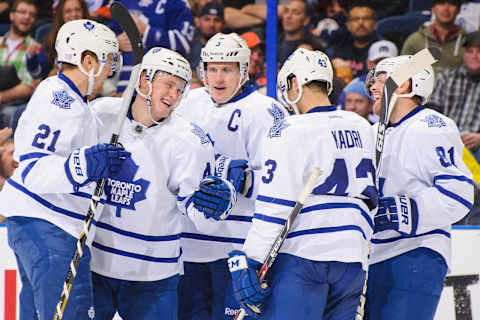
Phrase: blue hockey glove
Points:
(93, 163)
(397, 213)
(215, 198)
(249, 292)
(237, 172)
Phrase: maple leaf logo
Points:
(123, 191)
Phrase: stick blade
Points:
(125, 20)
(418, 62)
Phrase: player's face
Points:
(377, 90)
(106, 72)
(358, 103)
(7, 163)
(222, 80)
(167, 90)
(72, 10)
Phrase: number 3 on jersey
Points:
(270, 166)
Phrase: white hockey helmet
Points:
(168, 61)
(77, 36)
(306, 66)
(226, 48)
(422, 81)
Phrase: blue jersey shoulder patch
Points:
(433, 120)
(278, 123)
(200, 133)
(122, 190)
(62, 99)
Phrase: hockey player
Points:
(47, 197)
(319, 272)
(164, 23)
(236, 118)
(424, 188)
(136, 251)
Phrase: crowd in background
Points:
(356, 35)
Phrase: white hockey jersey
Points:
(422, 158)
(335, 223)
(57, 120)
(138, 233)
(237, 129)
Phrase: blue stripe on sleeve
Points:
(282, 202)
(437, 231)
(197, 236)
(108, 227)
(45, 203)
(181, 198)
(339, 205)
(27, 170)
(32, 155)
(266, 218)
(450, 177)
(454, 196)
(239, 218)
(135, 255)
(326, 230)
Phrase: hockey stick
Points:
(122, 16)
(402, 73)
(307, 189)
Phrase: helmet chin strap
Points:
(148, 99)
(295, 101)
(91, 77)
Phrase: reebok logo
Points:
(230, 311)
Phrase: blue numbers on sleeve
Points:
(271, 167)
(43, 135)
(444, 161)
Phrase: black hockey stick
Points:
(121, 15)
(402, 73)
(307, 189)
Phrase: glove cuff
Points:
(221, 166)
(407, 215)
(237, 261)
(76, 168)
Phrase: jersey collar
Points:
(323, 109)
(71, 85)
(409, 115)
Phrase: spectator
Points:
(442, 33)
(456, 94)
(7, 163)
(4, 11)
(166, 23)
(350, 55)
(41, 60)
(377, 51)
(209, 22)
(357, 100)
(256, 68)
(13, 46)
(294, 21)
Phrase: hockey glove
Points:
(237, 172)
(249, 292)
(215, 198)
(397, 213)
(91, 164)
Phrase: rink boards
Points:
(460, 298)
